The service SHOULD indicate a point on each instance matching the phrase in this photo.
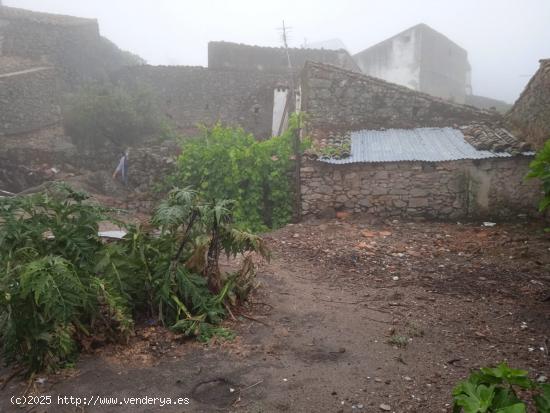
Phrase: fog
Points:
(504, 38)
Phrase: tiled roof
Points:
(495, 139)
(421, 144)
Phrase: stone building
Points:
(530, 115)
(385, 149)
(243, 86)
(235, 56)
(340, 100)
(43, 56)
(422, 59)
(189, 96)
(73, 45)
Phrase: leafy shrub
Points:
(494, 390)
(398, 341)
(540, 168)
(61, 285)
(48, 244)
(228, 163)
(99, 115)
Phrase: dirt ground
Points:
(350, 315)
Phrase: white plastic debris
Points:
(112, 234)
(523, 325)
(489, 224)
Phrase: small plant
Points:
(339, 151)
(495, 390)
(415, 330)
(398, 340)
(540, 168)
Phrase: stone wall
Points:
(28, 100)
(149, 166)
(446, 190)
(73, 45)
(337, 99)
(530, 115)
(196, 95)
(27, 160)
(234, 56)
(483, 102)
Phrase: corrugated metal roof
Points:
(422, 144)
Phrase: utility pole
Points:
(296, 141)
(284, 34)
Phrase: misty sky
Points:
(504, 38)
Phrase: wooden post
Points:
(297, 181)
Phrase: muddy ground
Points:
(350, 315)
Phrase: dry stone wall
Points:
(28, 100)
(235, 56)
(445, 190)
(73, 45)
(27, 160)
(530, 115)
(196, 95)
(340, 100)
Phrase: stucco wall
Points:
(336, 99)
(444, 190)
(445, 70)
(28, 100)
(192, 95)
(422, 59)
(396, 60)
